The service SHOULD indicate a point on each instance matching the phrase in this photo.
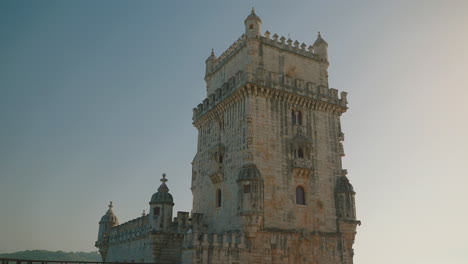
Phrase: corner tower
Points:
(267, 177)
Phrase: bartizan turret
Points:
(161, 207)
(253, 25)
(210, 63)
(321, 47)
(108, 221)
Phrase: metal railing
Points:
(35, 261)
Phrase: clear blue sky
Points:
(96, 99)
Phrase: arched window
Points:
(300, 195)
(300, 153)
(157, 211)
(293, 117)
(218, 198)
(299, 117)
(220, 158)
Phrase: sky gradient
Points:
(96, 99)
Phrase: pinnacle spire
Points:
(163, 186)
(110, 205)
(164, 180)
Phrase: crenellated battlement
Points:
(238, 44)
(272, 80)
(133, 229)
(288, 45)
(276, 41)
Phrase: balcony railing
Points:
(35, 261)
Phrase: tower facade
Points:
(267, 180)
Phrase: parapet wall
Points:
(273, 80)
(275, 41)
(289, 45)
(134, 229)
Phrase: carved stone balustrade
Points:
(302, 167)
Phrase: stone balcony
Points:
(302, 167)
(216, 172)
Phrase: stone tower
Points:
(268, 184)
(161, 204)
(106, 223)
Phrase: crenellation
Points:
(297, 48)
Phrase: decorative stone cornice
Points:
(273, 86)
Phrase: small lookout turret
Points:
(253, 25)
(210, 63)
(321, 47)
(107, 221)
(161, 204)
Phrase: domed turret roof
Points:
(343, 185)
(109, 217)
(253, 17)
(212, 55)
(249, 172)
(162, 196)
(319, 40)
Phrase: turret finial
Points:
(253, 10)
(164, 180)
(144, 213)
(110, 205)
(212, 52)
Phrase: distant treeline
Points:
(53, 255)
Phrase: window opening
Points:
(300, 195)
(299, 117)
(300, 153)
(218, 198)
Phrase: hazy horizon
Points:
(96, 100)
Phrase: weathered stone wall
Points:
(227, 66)
(290, 64)
(138, 250)
(225, 135)
(273, 132)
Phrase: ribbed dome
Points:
(109, 217)
(162, 196)
(252, 16)
(343, 185)
(249, 172)
(319, 41)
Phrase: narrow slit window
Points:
(299, 117)
(218, 198)
(293, 117)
